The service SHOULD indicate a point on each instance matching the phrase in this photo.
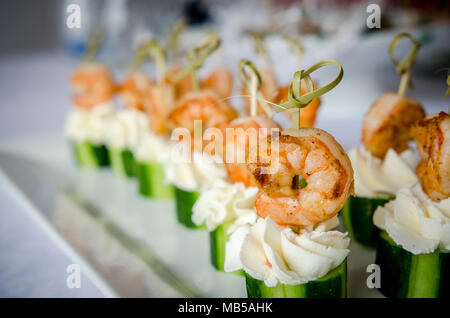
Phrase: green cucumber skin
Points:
(332, 285)
(406, 275)
(357, 215)
(122, 162)
(90, 155)
(393, 282)
(218, 241)
(151, 184)
(185, 200)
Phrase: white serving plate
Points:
(130, 244)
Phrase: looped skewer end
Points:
(404, 66)
(174, 36)
(95, 42)
(245, 77)
(140, 54)
(252, 82)
(197, 56)
(153, 49)
(296, 46)
(296, 101)
(260, 46)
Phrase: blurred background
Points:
(38, 52)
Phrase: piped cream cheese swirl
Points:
(89, 124)
(224, 202)
(380, 178)
(126, 129)
(276, 254)
(194, 174)
(153, 148)
(415, 222)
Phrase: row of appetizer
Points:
(270, 197)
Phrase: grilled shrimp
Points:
(181, 87)
(134, 90)
(156, 99)
(237, 171)
(387, 123)
(269, 90)
(158, 105)
(308, 114)
(92, 84)
(309, 180)
(432, 135)
(203, 105)
(221, 81)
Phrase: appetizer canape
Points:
(153, 150)
(93, 87)
(192, 169)
(129, 124)
(413, 250)
(229, 203)
(384, 163)
(304, 178)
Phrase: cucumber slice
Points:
(90, 155)
(151, 181)
(184, 202)
(218, 240)
(332, 285)
(122, 162)
(406, 275)
(357, 215)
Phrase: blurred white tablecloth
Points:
(33, 90)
